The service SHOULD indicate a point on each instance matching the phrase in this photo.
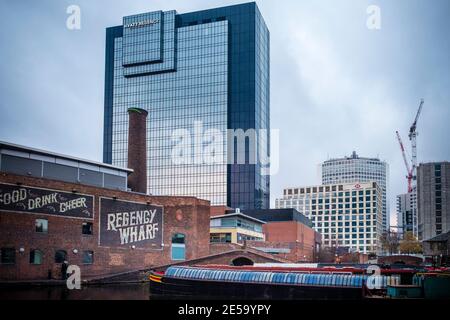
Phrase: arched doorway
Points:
(242, 261)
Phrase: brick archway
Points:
(242, 261)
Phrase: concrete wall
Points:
(427, 199)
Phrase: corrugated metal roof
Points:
(15, 147)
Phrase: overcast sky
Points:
(336, 86)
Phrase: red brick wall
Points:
(289, 231)
(284, 231)
(186, 215)
(297, 237)
(216, 248)
(219, 210)
(298, 252)
(137, 150)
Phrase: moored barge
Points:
(224, 282)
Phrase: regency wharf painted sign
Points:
(124, 224)
(45, 201)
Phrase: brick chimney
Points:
(137, 149)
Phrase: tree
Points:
(410, 244)
(390, 242)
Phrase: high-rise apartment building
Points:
(359, 169)
(407, 213)
(347, 215)
(433, 199)
(195, 74)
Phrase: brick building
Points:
(55, 208)
(288, 234)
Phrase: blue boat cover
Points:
(295, 278)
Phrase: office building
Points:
(193, 72)
(433, 199)
(359, 169)
(235, 228)
(346, 215)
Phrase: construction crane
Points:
(412, 137)
(411, 170)
(408, 168)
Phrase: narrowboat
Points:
(225, 282)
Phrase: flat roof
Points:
(25, 149)
(240, 215)
(345, 185)
(353, 156)
(279, 215)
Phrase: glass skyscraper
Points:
(199, 72)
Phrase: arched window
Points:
(60, 256)
(178, 247)
(36, 257)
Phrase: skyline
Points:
(374, 93)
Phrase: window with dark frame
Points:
(7, 256)
(41, 225)
(87, 228)
(60, 256)
(88, 257)
(36, 257)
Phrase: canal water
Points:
(138, 291)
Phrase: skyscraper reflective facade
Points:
(197, 72)
(359, 169)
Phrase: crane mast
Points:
(412, 170)
(405, 160)
(413, 138)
